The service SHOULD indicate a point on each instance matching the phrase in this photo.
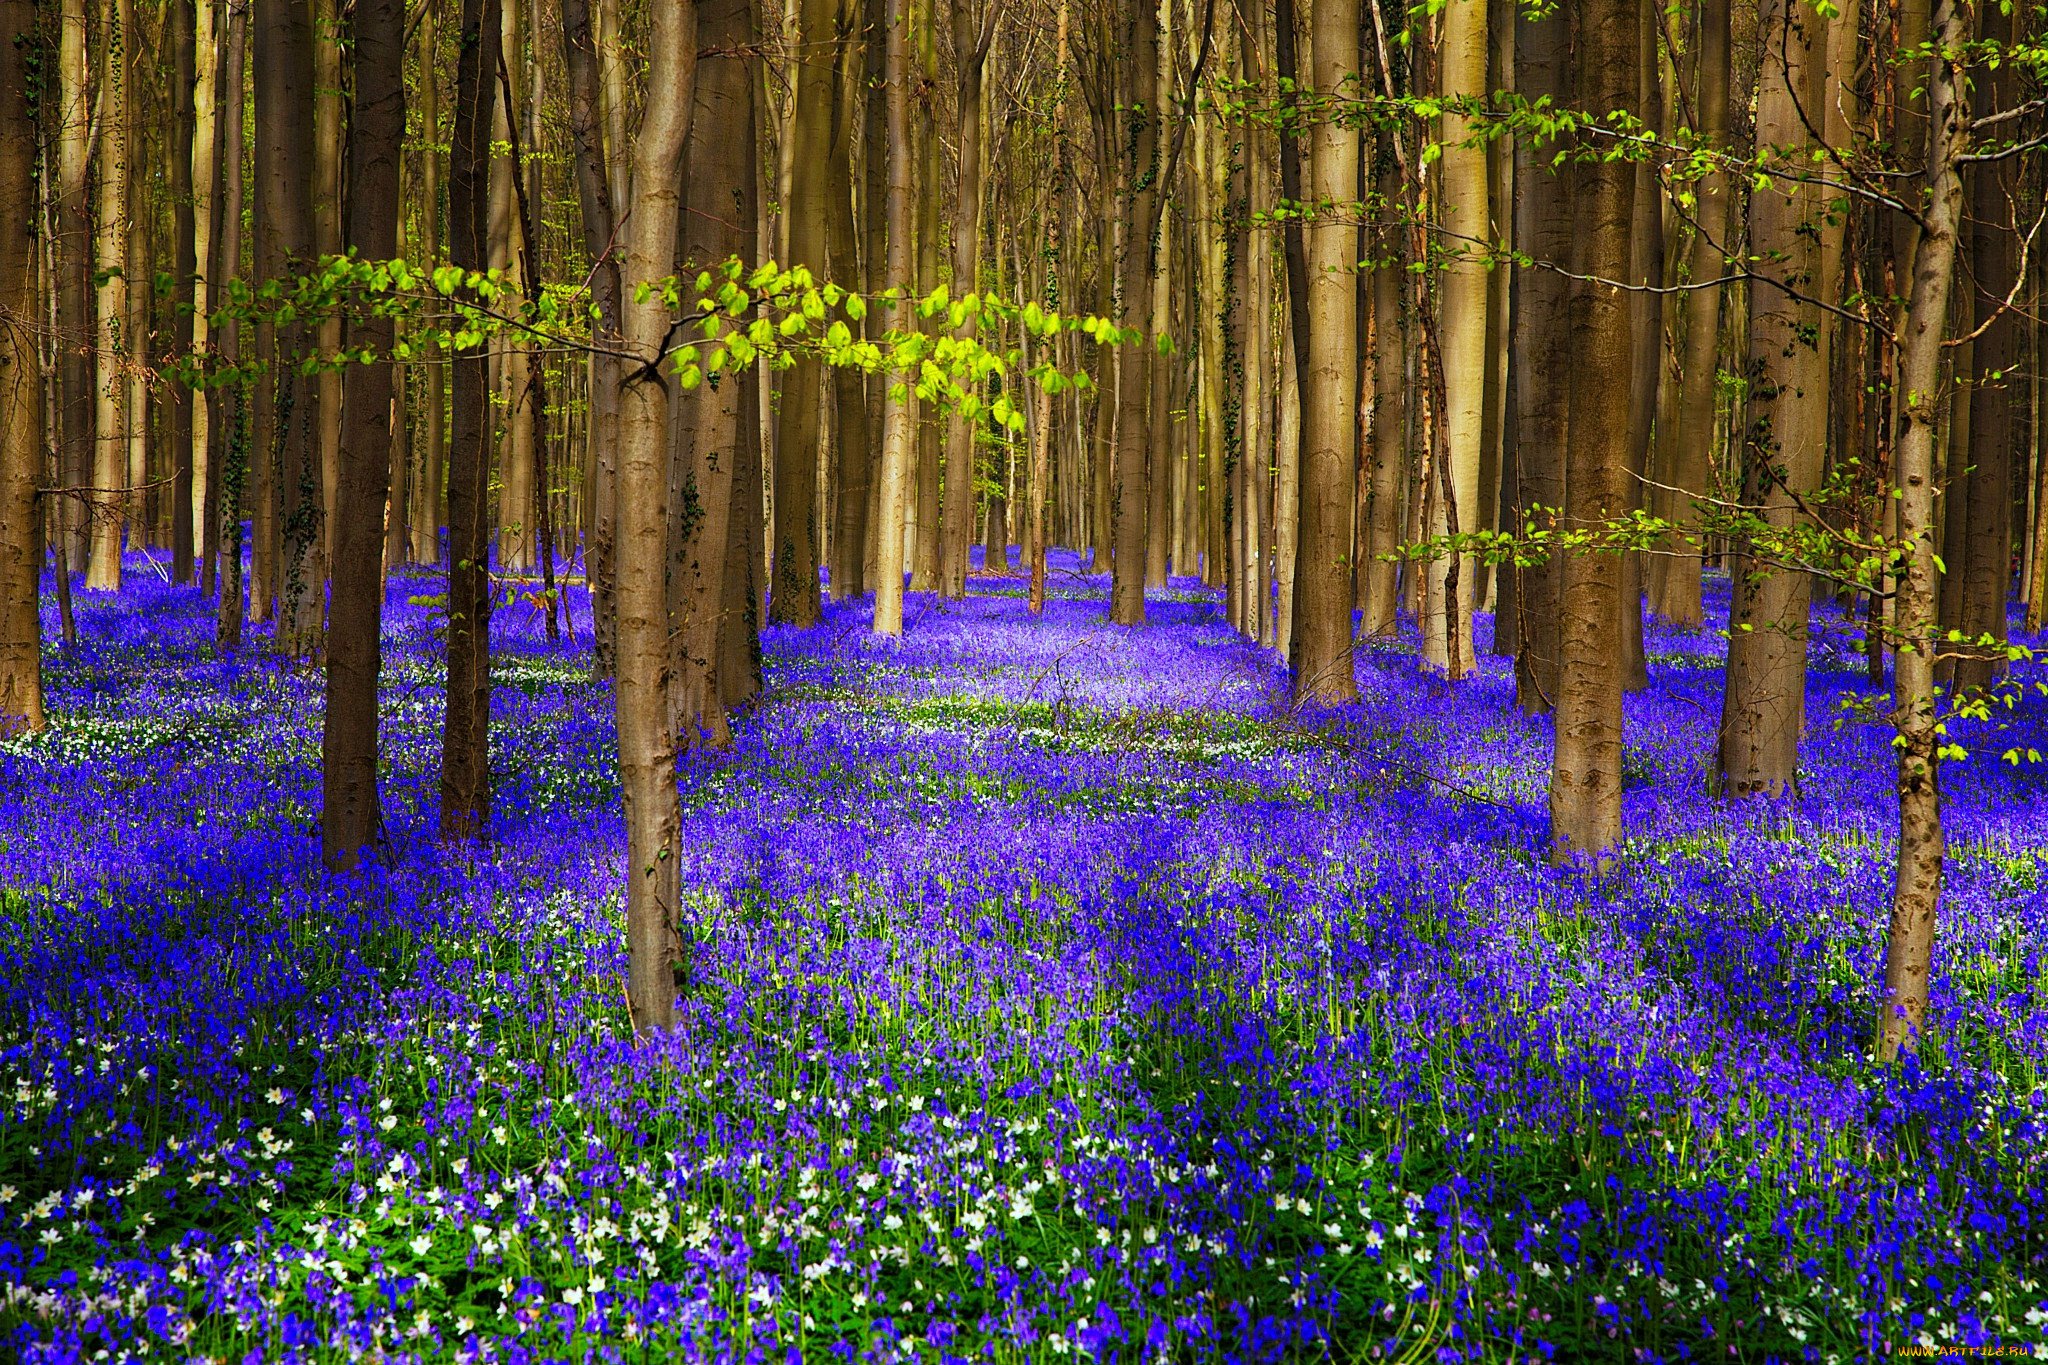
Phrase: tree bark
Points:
(21, 385)
(285, 247)
(850, 402)
(1764, 698)
(1129, 494)
(719, 224)
(73, 254)
(465, 742)
(794, 599)
(113, 344)
(1447, 632)
(427, 496)
(351, 818)
(1585, 772)
(1675, 584)
(1543, 361)
(184, 270)
(231, 402)
(1321, 656)
(647, 751)
(1916, 889)
(971, 39)
(899, 403)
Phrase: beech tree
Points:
(21, 383)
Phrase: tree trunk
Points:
(1447, 633)
(465, 742)
(427, 496)
(849, 386)
(205, 210)
(1129, 495)
(351, 819)
(1646, 321)
(185, 267)
(113, 348)
(1764, 699)
(231, 403)
(1321, 657)
(899, 403)
(971, 38)
(794, 599)
(73, 254)
(1585, 772)
(1675, 586)
(1382, 531)
(327, 226)
(718, 224)
(285, 246)
(647, 751)
(1984, 559)
(1543, 360)
(21, 385)
(1916, 890)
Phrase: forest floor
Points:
(1056, 991)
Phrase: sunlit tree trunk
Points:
(184, 134)
(1585, 772)
(351, 818)
(465, 741)
(112, 344)
(1388, 459)
(73, 254)
(973, 31)
(1916, 891)
(21, 384)
(1320, 658)
(1447, 632)
(899, 404)
(518, 469)
(327, 228)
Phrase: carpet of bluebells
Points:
(1056, 992)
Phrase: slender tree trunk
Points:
(1764, 700)
(1676, 587)
(208, 20)
(794, 599)
(231, 403)
(114, 345)
(1129, 496)
(1916, 891)
(327, 227)
(1984, 558)
(849, 386)
(1447, 633)
(183, 133)
(1382, 531)
(971, 38)
(899, 404)
(647, 750)
(351, 818)
(465, 743)
(21, 384)
(1585, 773)
(1321, 656)
(1646, 320)
(73, 254)
(426, 501)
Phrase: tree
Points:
(351, 820)
(1320, 658)
(1136, 269)
(972, 38)
(647, 750)
(465, 739)
(73, 266)
(285, 249)
(230, 400)
(794, 599)
(21, 383)
(111, 350)
(184, 132)
(899, 403)
(1585, 771)
(1916, 888)
(1447, 630)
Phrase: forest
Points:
(1012, 680)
